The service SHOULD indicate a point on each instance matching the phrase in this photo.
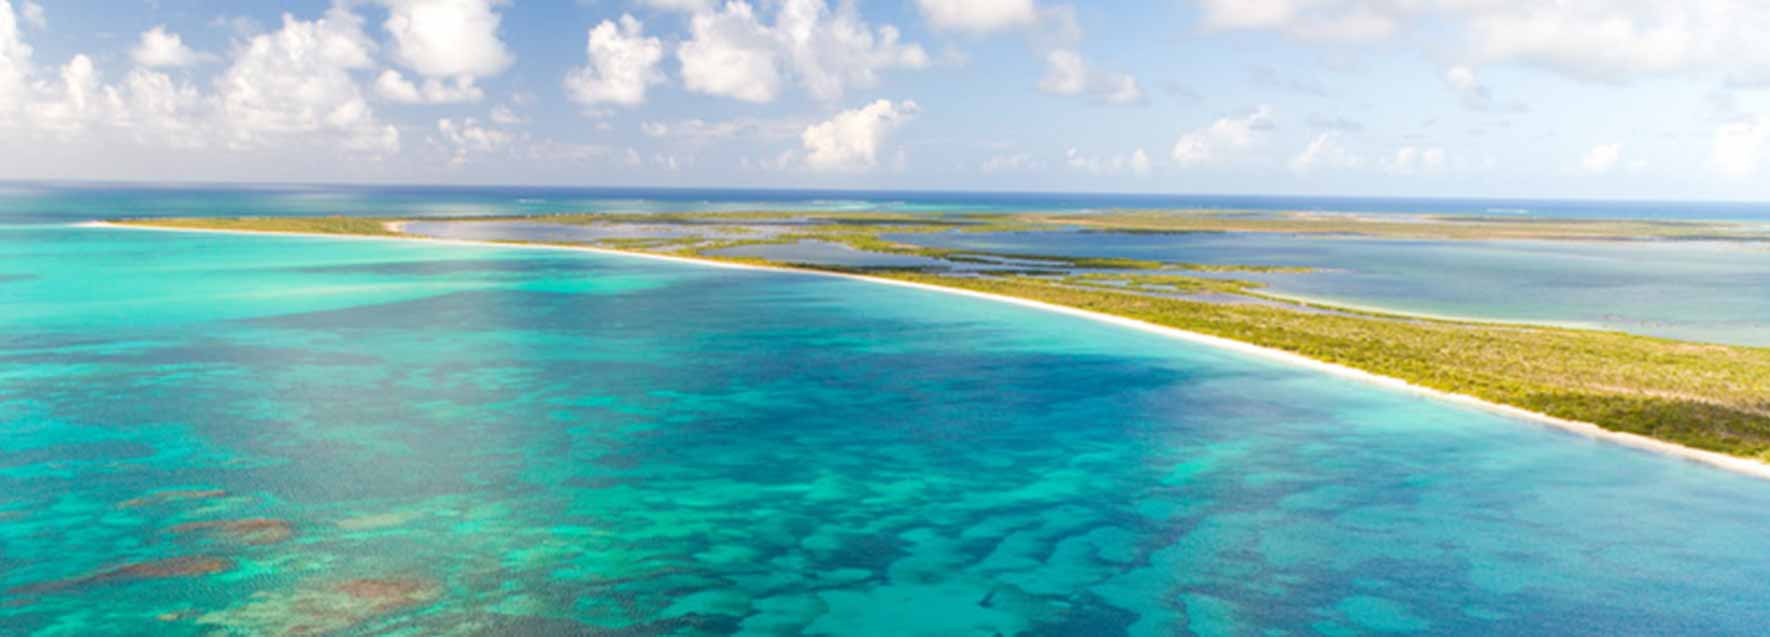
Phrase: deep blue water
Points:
(229, 435)
(33, 202)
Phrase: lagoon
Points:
(1712, 291)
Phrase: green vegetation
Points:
(1159, 283)
(314, 225)
(1398, 226)
(1714, 397)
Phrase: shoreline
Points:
(1714, 459)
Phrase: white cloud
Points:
(1601, 158)
(393, 86)
(1415, 160)
(1590, 39)
(160, 48)
(1325, 151)
(1140, 165)
(15, 62)
(469, 136)
(448, 39)
(458, 89)
(732, 53)
(146, 107)
(152, 108)
(72, 102)
(682, 6)
(623, 64)
(1468, 88)
(851, 140)
(1222, 138)
(1066, 73)
(1738, 146)
(505, 116)
(700, 131)
(978, 16)
(833, 50)
(1309, 19)
(297, 81)
(1136, 163)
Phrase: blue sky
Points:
(1578, 98)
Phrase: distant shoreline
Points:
(1735, 464)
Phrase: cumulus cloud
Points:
(15, 61)
(146, 106)
(297, 80)
(623, 64)
(155, 109)
(1601, 159)
(70, 103)
(468, 136)
(1325, 151)
(978, 16)
(851, 140)
(393, 86)
(730, 53)
(733, 53)
(1223, 138)
(1066, 73)
(456, 40)
(160, 48)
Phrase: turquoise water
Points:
(222, 435)
(1713, 291)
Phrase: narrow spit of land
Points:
(1447, 227)
(1709, 397)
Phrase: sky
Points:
(1663, 99)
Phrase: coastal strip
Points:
(1735, 464)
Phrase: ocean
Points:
(217, 434)
(22, 202)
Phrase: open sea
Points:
(217, 435)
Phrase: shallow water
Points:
(1696, 290)
(417, 439)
